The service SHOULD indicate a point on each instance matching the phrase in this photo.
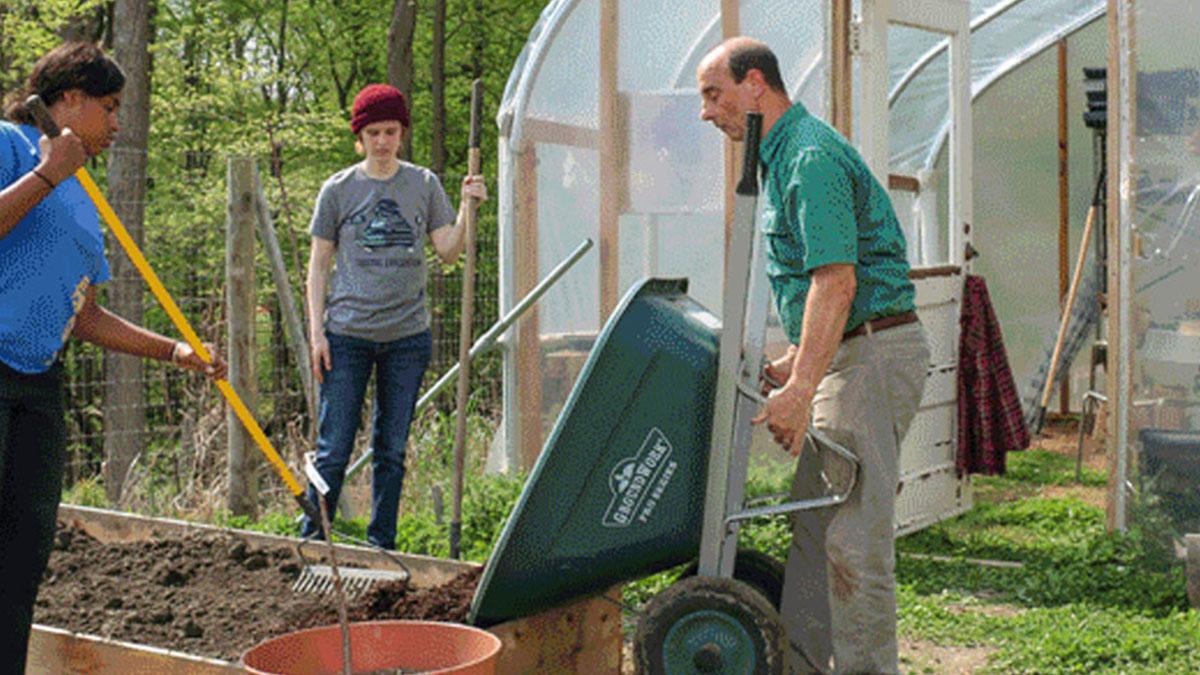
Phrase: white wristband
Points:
(175, 352)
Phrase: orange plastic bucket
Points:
(417, 646)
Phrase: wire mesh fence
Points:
(174, 423)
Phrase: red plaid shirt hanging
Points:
(990, 420)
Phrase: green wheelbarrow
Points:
(645, 470)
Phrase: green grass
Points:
(1084, 601)
(1072, 638)
(487, 501)
(1031, 470)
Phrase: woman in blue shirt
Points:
(51, 259)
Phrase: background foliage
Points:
(273, 80)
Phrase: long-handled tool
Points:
(1048, 387)
(467, 315)
(38, 108)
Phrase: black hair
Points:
(72, 65)
(749, 56)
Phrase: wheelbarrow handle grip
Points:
(819, 437)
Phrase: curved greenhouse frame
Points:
(600, 139)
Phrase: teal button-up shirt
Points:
(824, 207)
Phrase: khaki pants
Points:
(839, 595)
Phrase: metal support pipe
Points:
(489, 339)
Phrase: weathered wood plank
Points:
(239, 311)
(53, 650)
(584, 637)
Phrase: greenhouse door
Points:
(930, 488)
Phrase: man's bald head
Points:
(743, 54)
(741, 75)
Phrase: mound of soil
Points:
(401, 600)
(209, 594)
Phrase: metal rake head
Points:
(318, 580)
(356, 581)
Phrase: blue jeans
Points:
(399, 367)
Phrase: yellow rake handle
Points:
(38, 108)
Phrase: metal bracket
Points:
(855, 37)
(819, 441)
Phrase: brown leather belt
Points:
(882, 323)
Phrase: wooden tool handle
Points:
(1048, 386)
(41, 115)
(467, 318)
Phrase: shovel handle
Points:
(466, 320)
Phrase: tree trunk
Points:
(86, 27)
(437, 71)
(400, 55)
(281, 88)
(124, 405)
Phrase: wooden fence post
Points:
(241, 213)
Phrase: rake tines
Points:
(318, 580)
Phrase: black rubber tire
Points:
(735, 600)
(762, 571)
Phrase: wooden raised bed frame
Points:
(584, 637)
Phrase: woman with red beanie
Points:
(369, 314)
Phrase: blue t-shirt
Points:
(47, 262)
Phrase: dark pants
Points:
(32, 447)
(399, 367)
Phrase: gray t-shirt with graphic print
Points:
(377, 290)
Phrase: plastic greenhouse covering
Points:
(672, 215)
(1159, 402)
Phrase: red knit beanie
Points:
(378, 103)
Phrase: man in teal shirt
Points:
(855, 367)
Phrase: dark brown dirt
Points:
(208, 594)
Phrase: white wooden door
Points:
(931, 489)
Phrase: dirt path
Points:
(918, 656)
(1062, 437)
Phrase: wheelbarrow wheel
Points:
(762, 571)
(709, 625)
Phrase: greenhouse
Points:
(971, 113)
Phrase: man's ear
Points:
(757, 82)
